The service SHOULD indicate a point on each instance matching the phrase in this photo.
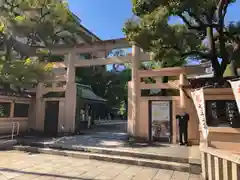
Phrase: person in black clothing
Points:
(183, 128)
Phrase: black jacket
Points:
(183, 120)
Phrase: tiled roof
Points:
(86, 92)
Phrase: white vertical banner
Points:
(199, 103)
(236, 91)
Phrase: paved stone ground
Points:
(113, 135)
(16, 165)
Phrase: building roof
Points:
(81, 35)
(84, 28)
(88, 36)
(86, 92)
(207, 74)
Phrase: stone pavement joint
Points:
(15, 165)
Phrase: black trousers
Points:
(183, 135)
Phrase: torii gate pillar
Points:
(70, 94)
(136, 92)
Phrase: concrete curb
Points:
(115, 152)
(111, 151)
(8, 144)
(177, 166)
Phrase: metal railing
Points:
(14, 126)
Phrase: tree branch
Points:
(190, 26)
(225, 8)
(220, 15)
(203, 55)
(197, 19)
(233, 36)
(12, 6)
(222, 8)
(201, 27)
(43, 15)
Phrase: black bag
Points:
(186, 116)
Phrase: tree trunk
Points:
(218, 71)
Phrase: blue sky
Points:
(105, 18)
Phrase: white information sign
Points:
(160, 111)
(161, 119)
(236, 91)
(199, 102)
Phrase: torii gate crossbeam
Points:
(97, 46)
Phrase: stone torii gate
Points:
(100, 50)
(72, 60)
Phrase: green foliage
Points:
(27, 29)
(23, 73)
(202, 35)
(2, 111)
(122, 108)
(113, 85)
(109, 85)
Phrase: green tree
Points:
(113, 85)
(27, 29)
(203, 35)
(110, 85)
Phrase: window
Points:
(227, 114)
(21, 110)
(5, 109)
